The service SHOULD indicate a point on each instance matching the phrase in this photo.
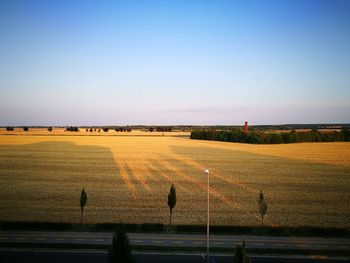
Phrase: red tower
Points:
(246, 127)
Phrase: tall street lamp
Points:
(207, 174)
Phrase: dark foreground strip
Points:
(148, 248)
(184, 229)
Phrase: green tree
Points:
(171, 201)
(83, 200)
(275, 138)
(262, 206)
(240, 255)
(346, 134)
(121, 248)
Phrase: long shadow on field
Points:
(299, 192)
(42, 182)
(138, 179)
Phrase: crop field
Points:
(127, 179)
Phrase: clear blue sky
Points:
(174, 62)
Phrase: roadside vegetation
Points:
(262, 206)
(171, 202)
(83, 200)
(240, 254)
(121, 248)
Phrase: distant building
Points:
(246, 127)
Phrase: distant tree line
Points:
(90, 130)
(12, 128)
(160, 129)
(123, 129)
(164, 129)
(259, 137)
(25, 128)
(72, 129)
(106, 129)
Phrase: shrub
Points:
(121, 248)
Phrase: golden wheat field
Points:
(127, 178)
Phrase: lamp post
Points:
(207, 174)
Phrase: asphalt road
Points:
(177, 240)
(54, 256)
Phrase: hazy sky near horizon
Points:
(174, 62)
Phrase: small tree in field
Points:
(262, 206)
(83, 200)
(171, 201)
(49, 129)
(121, 248)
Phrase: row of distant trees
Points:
(71, 129)
(25, 128)
(123, 129)
(259, 137)
(12, 128)
(76, 129)
(105, 129)
(160, 129)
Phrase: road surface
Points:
(90, 256)
(177, 240)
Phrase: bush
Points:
(240, 255)
(121, 248)
(49, 129)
